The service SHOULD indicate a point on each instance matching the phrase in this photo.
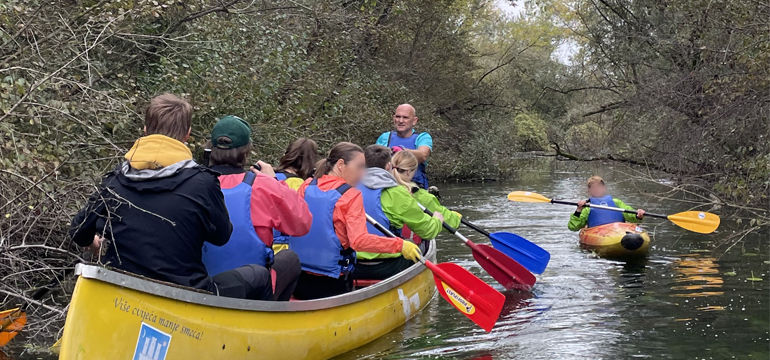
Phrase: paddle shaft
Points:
(435, 269)
(206, 157)
(39, 293)
(453, 230)
(467, 242)
(474, 227)
(659, 216)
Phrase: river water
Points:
(690, 299)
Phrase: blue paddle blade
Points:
(526, 253)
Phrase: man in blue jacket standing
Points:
(405, 137)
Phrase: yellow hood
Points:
(157, 151)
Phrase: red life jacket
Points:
(407, 234)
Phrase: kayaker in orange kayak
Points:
(586, 216)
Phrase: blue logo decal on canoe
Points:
(152, 344)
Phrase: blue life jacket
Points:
(244, 246)
(373, 207)
(420, 176)
(598, 217)
(320, 251)
(283, 175)
(280, 238)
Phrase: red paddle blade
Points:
(502, 268)
(473, 297)
(11, 322)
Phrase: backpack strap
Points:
(287, 174)
(249, 178)
(342, 188)
(314, 182)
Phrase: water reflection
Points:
(695, 273)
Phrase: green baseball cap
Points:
(233, 128)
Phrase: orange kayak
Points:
(616, 240)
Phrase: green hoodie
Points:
(431, 203)
(400, 208)
(578, 222)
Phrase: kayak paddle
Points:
(525, 252)
(697, 221)
(505, 270)
(13, 320)
(473, 297)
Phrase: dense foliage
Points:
(75, 75)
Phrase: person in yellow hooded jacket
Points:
(154, 212)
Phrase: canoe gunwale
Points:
(190, 296)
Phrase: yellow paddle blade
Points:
(11, 322)
(697, 221)
(528, 196)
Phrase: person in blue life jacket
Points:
(405, 137)
(257, 205)
(388, 200)
(588, 217)
(328, 252)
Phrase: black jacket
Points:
(156, 226)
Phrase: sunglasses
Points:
(401, 170)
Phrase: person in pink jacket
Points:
(257, 203)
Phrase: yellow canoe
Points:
(113, 316)
(616, 240)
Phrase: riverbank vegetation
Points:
(680, 86)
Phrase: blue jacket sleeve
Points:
(383, 139)
(424, 139)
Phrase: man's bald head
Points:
(404, 119)
(409, 108)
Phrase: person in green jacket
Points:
(404, 166)
(585, 216)
(391, 204)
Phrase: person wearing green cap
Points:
(257, 204)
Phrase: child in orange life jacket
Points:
(586, 216)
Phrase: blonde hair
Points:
(406, 161)
(595, 179)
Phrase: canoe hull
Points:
(616, 240)
(106, 321)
